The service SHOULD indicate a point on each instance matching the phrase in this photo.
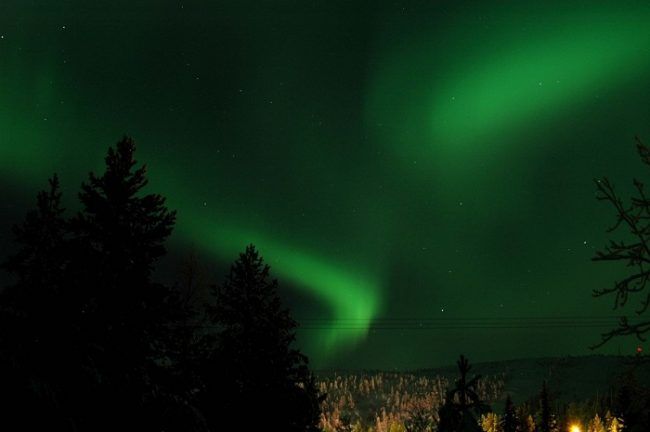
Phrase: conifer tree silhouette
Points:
(463, 406)
(35, 334)
(89, 342)
(118, 236)
(631, 404)
(252, 365)
(509, 419)
(547, 421)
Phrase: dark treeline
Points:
(90, 342)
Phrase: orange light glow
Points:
(575, 428)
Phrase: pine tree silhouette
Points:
(547, 421)
(41, 238)
(89, 342)
(632, 402)
(118, 236)
(252, 366)
(35, 336)
(509, 419)
(463, 406)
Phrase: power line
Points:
(453, 323)
(460, 323)
(573, 318)
(459, 327)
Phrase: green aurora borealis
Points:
(391, 160)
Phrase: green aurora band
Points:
(349, 294)
(534, 67)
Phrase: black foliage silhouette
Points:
(89, 342)
(547, 421)
(36, 334)
(117, 238)
(509, 421)
(252, 365)
(632, 401)
(463, 406)
(635, 218)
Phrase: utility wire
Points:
(452, 323)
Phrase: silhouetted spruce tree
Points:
(547, 421)
(37, 264)
(35, 332)
(632, 403)
(624, 396)
(449, 416)
(509, 419)
(186, 351)
(463, 407)
(118, 236)
(252, 366)
(88, 342)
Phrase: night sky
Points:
(406, 168)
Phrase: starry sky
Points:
(419, 175)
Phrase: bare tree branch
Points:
(635, 217)
(625, 329)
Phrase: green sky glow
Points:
(389, 159)
(530, 79)
(485, 76)
(349, 294)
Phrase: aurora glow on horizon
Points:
(349, 295)
(401, 160)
